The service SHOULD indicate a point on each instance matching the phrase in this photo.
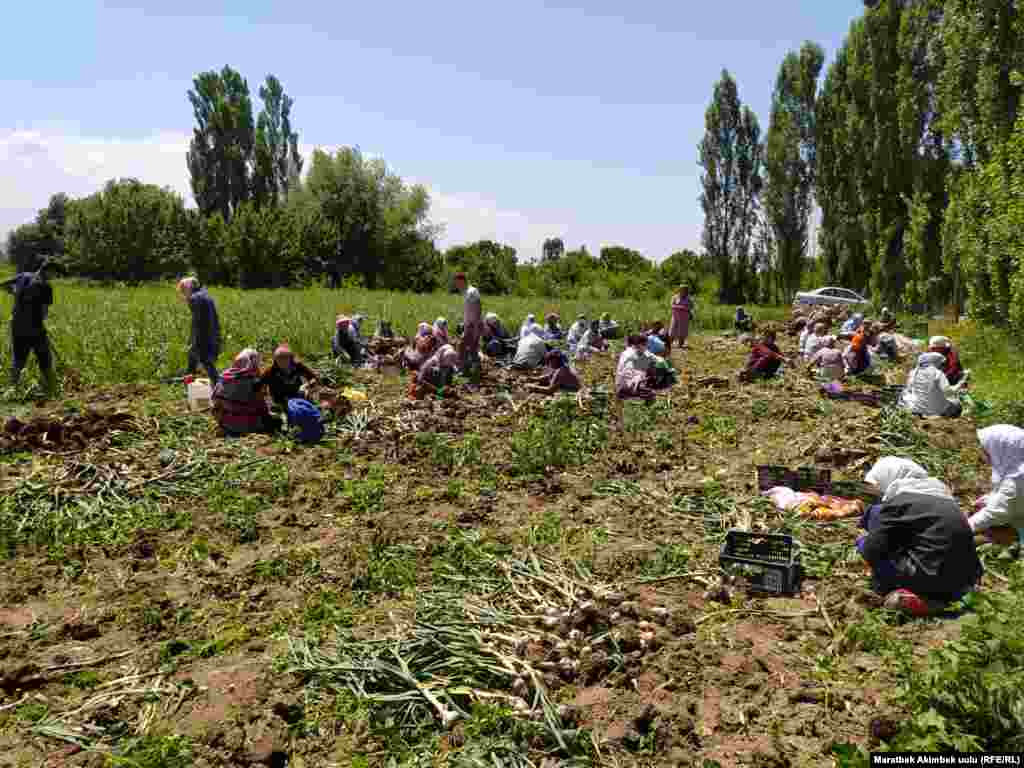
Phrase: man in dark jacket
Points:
(33, 296)
(204, 340)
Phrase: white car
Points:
(830, 296)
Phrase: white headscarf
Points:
(1004, 445)
(897, 477)
(932, 359)
(940, 342)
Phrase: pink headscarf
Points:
(247, 360)
(343, 321)
(187, 286)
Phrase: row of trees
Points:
(913, 147)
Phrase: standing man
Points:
(33, 296)
(472, 321)
(204, 341)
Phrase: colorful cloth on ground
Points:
(815, 506)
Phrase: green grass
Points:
(116, 334)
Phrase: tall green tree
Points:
(731, 157)
(127, 231)
(277, 145)
(791, 161)
(221, 153)
(375, 215)
(980, 91)
(553, 249)
(882, 155)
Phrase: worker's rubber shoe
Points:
(905, 601)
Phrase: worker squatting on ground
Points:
(33, 297)
(919, 545)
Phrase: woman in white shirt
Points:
(927, 392)
(999, 515)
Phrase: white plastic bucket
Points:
(199, 394)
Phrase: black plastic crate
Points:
(771, 476)
(801, 479)
(813, 479)
(770, 562)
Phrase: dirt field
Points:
(171, 598)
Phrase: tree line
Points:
(911, 148)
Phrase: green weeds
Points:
(562, 436)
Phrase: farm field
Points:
(495, 580)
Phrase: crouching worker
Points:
(827, 362)
(304, 419)
(634, 375)
(557, 376)
(285, 377)
(999, 515)
(435, 376)
(420, 349)
(927, 392)
(343, 342)
(918, 544)
(765, 359)
(239, 398)
(530, 351)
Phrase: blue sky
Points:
(526, 120)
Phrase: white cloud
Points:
(35, 165)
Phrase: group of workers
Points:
(932, 388)
(920, 546)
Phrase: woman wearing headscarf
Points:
(634, 373)
(609, 328)
(285, 376)
(494, 335)
(420, 348)
(828, 362)
(857, 356)
(529, 324)
(576, 331)
(204, 339)
(239, 398)
(816, 340)
(553, 330)
(343, 343)
(436, 374)
(851, 326)
(999, 515)
(927, 393)
(472, 326)
(530, 350)
(918, 543)
(557, 376)
(765, 359)
(441, 331)
(592, 340)
(682, 311)
(943, 345)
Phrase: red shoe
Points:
(905, 601)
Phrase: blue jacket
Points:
(205, 338)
